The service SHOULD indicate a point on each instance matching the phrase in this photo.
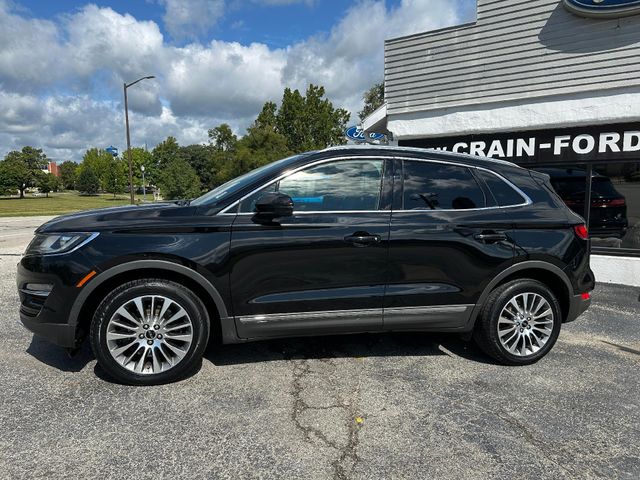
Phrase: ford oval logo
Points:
(357, 135)
(603, 8)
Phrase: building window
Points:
(614, 207)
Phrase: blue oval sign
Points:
(356, 134)
(603, 8)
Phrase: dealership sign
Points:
(586, 144)
(603, 8)
(357, 134)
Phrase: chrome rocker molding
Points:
(440, 317)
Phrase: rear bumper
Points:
(577, 307)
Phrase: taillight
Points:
(581, 231)
(585, 296)
(617, 202)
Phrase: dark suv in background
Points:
(343, 240)
(608, 216)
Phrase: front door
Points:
(323, 269)
(446, 243)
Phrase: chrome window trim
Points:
(295, 170)
(525, 197)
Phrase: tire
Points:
(166, 341)
(499, 321)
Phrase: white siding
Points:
(515, 50)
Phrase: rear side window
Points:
(504, 193)
(437, 186)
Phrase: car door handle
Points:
(361, 239)
(490, 237)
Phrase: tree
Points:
(201, 159)
(267, 117)
(117, 176)
(141, 157)
(68, 173)
(222, 138)
(22, 168)
(48, 182)
(179, 181)
(99, 160)
(165, 152)
(373, 99)
(310, 122)
(87, 181)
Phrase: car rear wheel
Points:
(519, 323)
(149, 332)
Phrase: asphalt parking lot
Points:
(365, 406)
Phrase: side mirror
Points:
(272, 206)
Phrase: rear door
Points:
(322, 270)
(448, 239)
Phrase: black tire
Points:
(486, 330)
(193, 306)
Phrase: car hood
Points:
(130, 216)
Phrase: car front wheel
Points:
(149, 332)
(519, 323)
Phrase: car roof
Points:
(414, 152)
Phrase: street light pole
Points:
(126, 121)
(144, 190)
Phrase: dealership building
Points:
(551, 85)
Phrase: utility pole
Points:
(126, 121)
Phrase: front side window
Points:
(351, 185)
(437, 186)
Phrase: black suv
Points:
(345, 240)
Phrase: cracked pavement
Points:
(349, 407)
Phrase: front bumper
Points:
(47, 312)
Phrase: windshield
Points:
(236, 184)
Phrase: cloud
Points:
(191, 18)
(61, 80)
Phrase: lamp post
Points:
(144, 190)
(126, 120)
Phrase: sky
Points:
(63, 63)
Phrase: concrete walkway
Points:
(16, 233)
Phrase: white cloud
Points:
(190, 18)
(61, 81)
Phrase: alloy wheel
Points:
(525, 324)
(149, 334)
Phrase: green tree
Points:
(267, 117)
(373, 99)
(140, 157)
(48, 182)
(68, 174)
(117, 176)
(310, 122)
(21, 168)
(99, 160)
(222, 138)
(201, 159)
(87, 181)
(165, 152)
(179, 181)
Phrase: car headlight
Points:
(57, 243)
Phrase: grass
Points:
(58, 203)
